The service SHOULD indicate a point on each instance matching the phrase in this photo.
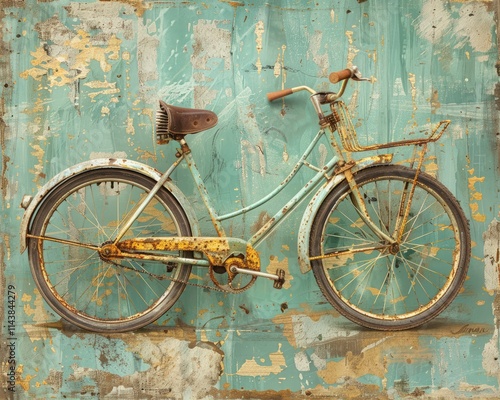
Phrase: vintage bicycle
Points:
(112, 242)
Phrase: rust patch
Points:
(351, 389)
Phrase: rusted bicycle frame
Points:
(238, 256)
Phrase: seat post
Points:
(185, 149)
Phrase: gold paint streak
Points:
(397, 300)
(412, 80)
(259, 31)
(359, 223)
(352, 50)
(24, 382)
(130, 129)
(353, 366)
(39, 153)
(475, 196)
(60, 71)
(202, 312)
(374, 291)
(36, 331)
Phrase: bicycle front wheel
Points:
(94, 293)
(382, 286)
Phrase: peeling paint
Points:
(435, 21)
(492, 256)
(476, 196)
(472, 26)
(210, 42)
(255, 367)
(259, 31)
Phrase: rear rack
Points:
(340, 120)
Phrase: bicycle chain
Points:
(163, 277)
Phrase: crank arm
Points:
(278, 279)
(237, 270)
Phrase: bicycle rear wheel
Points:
(74, 220)
(390, 287)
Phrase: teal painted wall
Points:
(81, 80)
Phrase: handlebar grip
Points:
(338, 76)
(278, 94)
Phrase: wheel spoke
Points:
(390, 285)
(73, 223)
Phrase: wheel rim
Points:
(397, 281)
(78, 280)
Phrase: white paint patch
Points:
(176, 92)
(103, 154)
(192, 370)
(321, 60)
(210, 42)
(397, 88)
(308, 332)
(474, 27)
(490, 356)
(302, 362)
(491, 256)
(434, 22)
(105, 17)
(147, 53)
(319, 363)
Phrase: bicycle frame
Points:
(371, 233)
(218, 248)
(184, 154)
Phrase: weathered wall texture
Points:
(81, 80)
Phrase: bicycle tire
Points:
(378, 288)
(85, 289)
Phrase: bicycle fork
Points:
(392, 241)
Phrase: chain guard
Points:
(221, 252)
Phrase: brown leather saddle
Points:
(176, 122)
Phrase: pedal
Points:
(278, 283)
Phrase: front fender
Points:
(317, 199)
(32, 204)
(308, 218)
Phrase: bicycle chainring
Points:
(234, 282)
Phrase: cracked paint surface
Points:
(82, 81)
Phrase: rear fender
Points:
(31, 204)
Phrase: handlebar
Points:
(279, 94)
(335, 77)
